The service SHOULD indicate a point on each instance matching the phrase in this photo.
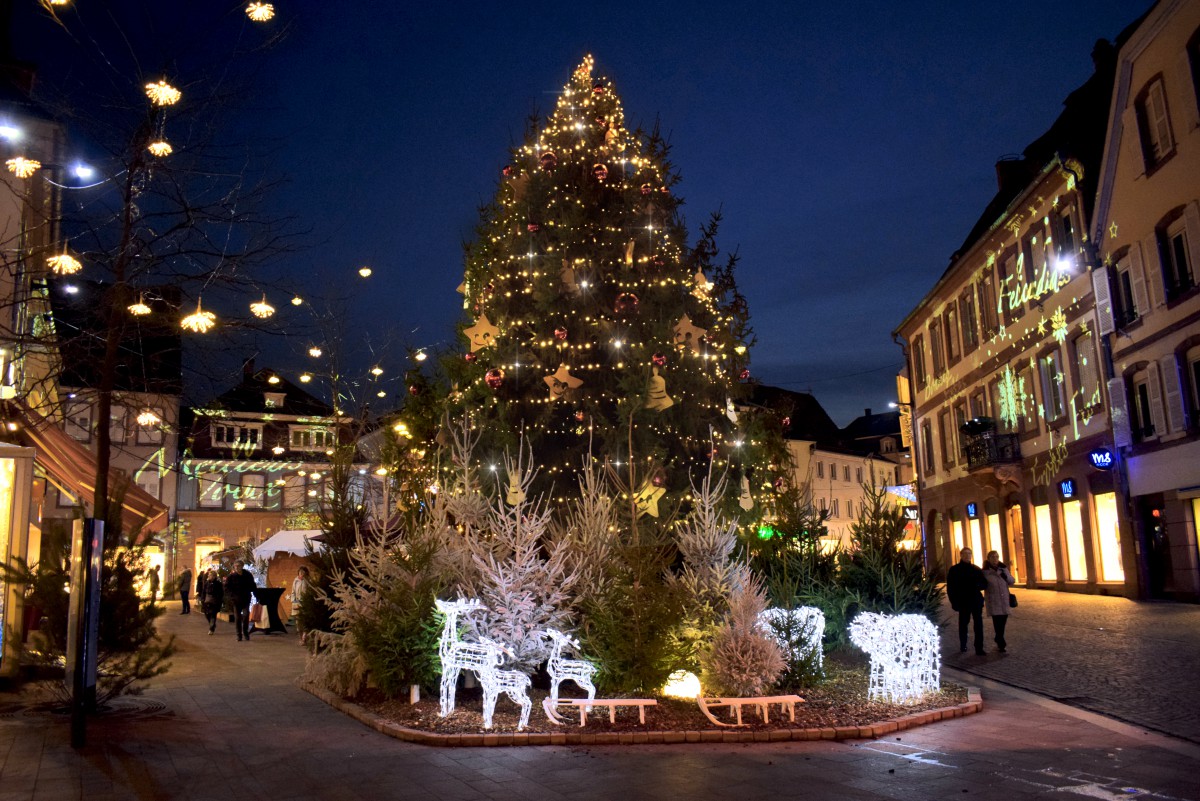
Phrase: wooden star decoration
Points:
(482, 335)
(561, 381)
(688, 334)
(647, 499)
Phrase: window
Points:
(969, 319)
(950, 328)
(253, 490)
(311, 439)
(833, 508)
(1033, 251)
(78, 422)
(820, 470)
(1125, 307)
(858, 470)
(1087, 376)
(946, 438)
(116, 429)
(937, 347)
(273, 400)
(1043, 544)
(1002, 422)
(212, 490)
(1066, 239)
(927, 447)
(886, 445)
(1050, 367)
(918, 360)
(832, 471)
(846, 472)
(1143, 412)
(293, 492)
(151, 434)
(987, 306)
(1010, 288)
(150, 482)
(1026, 402)
(1177, 270)
(241, 437)
(960, 419)
(849, 509)
(1154, 124)
(1193, 51)
(1193, 380)
(978, 407)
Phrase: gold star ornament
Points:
(561, 382)
(688, 334)
(482, 335)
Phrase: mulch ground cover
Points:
(839, 700)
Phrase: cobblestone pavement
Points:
(229, 723)
(1132, 660)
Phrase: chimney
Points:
(1011, 170)
(867, 412)
(248, 368)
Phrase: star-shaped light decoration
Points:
(260, 12)
(262, 309)
(139, 309)
(482, 335)
(1112, 230)
(646, 499)
(160, 148)
(162, 93)
(561, 381)
(1041, 327)
(64, 264)
(199, 321)
(701, 285)
(23, 167)
(1058, 324)
(688, 334)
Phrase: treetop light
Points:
(297, 301)
(23, 167)
(305, 378)
(162, 93)
(64, 264)
(377, 371)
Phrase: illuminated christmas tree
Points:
(591, 322)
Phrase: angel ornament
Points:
(658, 399)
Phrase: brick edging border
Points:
(875, 730)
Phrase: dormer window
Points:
(309, 438)
(238, 437)
(273, 400)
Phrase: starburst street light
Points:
(315, 352)
(64, 264)
(160, 148)
(140, 308)
(162, 93)
(262, 309)
(23, 167)
(260, 12)
(199, 321)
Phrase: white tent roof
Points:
(293, 542)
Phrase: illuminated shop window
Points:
(994, 540)
(1043, 544)
(1154, 124)
(976, 533)
(956, 536)
(1073, 531)
(1108, 537)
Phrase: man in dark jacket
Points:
(185, 589)
(964, 587)
(239, 586)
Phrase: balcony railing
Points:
(989, 448)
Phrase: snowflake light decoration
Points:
(23, 167)
(904, 655)
(260, 12)
(1058, 324)
(64, 264)
(200, 321)
(262, 309)
(162, 93)
(160, 148)
(1012, 397)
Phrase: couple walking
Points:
(965, 582)
(239, 586)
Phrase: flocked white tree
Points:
(743, 659)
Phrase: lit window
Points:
(212, 490)
(253, 490)
(1043, 535)
(1154, 124)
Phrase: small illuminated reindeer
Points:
(455, 654)
(512, 683)
(562, 669)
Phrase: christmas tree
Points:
(592, 325)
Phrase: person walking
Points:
(213, 598)
(299, 586)
(964, 587)
(184, 582)
(996, 595)
(155, 582)
(239, 585)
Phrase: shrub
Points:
(743, 659)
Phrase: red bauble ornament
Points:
(599, 172)
(494, 378)
(579, 416)
(646, 189)
(560, 334)
(787, 422)
(470, 357)
(658, 359)
(532, 226)
(658, 261)
(598, 88)
(626, 303)
(780, 484)
(744, 375)
(414, 390)
(507, 171)
(477, 309)
(659, 479)
(548, 160)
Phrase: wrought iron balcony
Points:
(985, 448)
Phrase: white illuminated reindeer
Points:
(494, 681)
(562, 669)
(455, 654)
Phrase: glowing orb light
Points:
(260, 12)
(273, 379)
(305, 378)
(315, 352)
(297, 301)
(376, 371)
(682, 684)
(64, 264)
(23, 167)
(200, 321)
(162, 93)
(365, 272)
(262, 309)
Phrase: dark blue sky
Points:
(849, 148)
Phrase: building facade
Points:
(1008, 397)
(1147, 235)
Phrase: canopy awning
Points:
(294, 542)
(72, 468)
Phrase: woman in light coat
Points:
(995, 595)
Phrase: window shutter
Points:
(1154, 388)
(1156, 103)
(1173, 394)
(1118, 404)
(1131, 139)
(1191, 218)
(1103, 295)
(1137, 279)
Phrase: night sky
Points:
(850, 149)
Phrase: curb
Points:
(874, 731)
